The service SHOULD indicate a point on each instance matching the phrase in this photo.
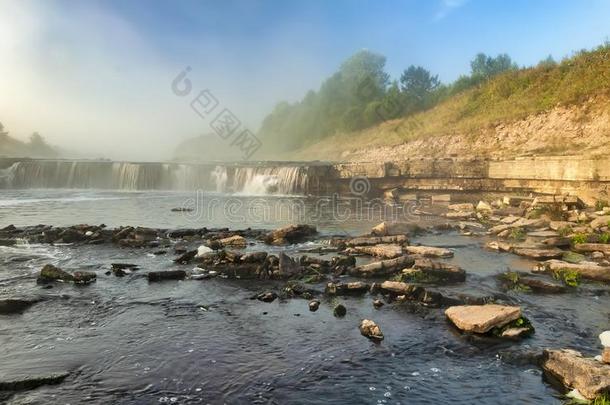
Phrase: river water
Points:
(128, 341)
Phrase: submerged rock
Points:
(371, 330)
(166, 275)
(339, 311)
(590, 377)
(15, 305)
(30, 382)
(377, 303)
(268, 296)
(84, 277)
(482, 318)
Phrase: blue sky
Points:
(93, 73)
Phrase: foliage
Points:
(35, 147)
(604, 237)
(513, 281)
(569, 277)
(602, 400)
(579, 238)
(565, 230)
(472, 107)
(360, 95)
(521, 322)
(517, 234)
(601, 204)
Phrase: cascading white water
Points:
(220, 177)
(259, 180)
(270, 180)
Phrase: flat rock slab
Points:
(429, 251)
(590, 377)
(539, 254)
(395, 228)
(482, 318)
(588, 270)
(592, 247)
(383, 250)
(600, 221)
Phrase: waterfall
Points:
(252, 180)
(220, 176)
(270, 180)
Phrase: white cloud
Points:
(447, 6)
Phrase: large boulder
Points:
(589, 376)
(482, 318)
(290, 234)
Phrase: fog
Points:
(95, 86)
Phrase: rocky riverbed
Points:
(479, 302)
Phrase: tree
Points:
(483, 66)
(417, 85)
(548, 62)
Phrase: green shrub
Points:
(579, 238)
(569, 277)
(517, 234)
(601, 204)
(604, 237)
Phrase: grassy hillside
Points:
(567, 103)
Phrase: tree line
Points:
(361, 94)
(35, 147)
